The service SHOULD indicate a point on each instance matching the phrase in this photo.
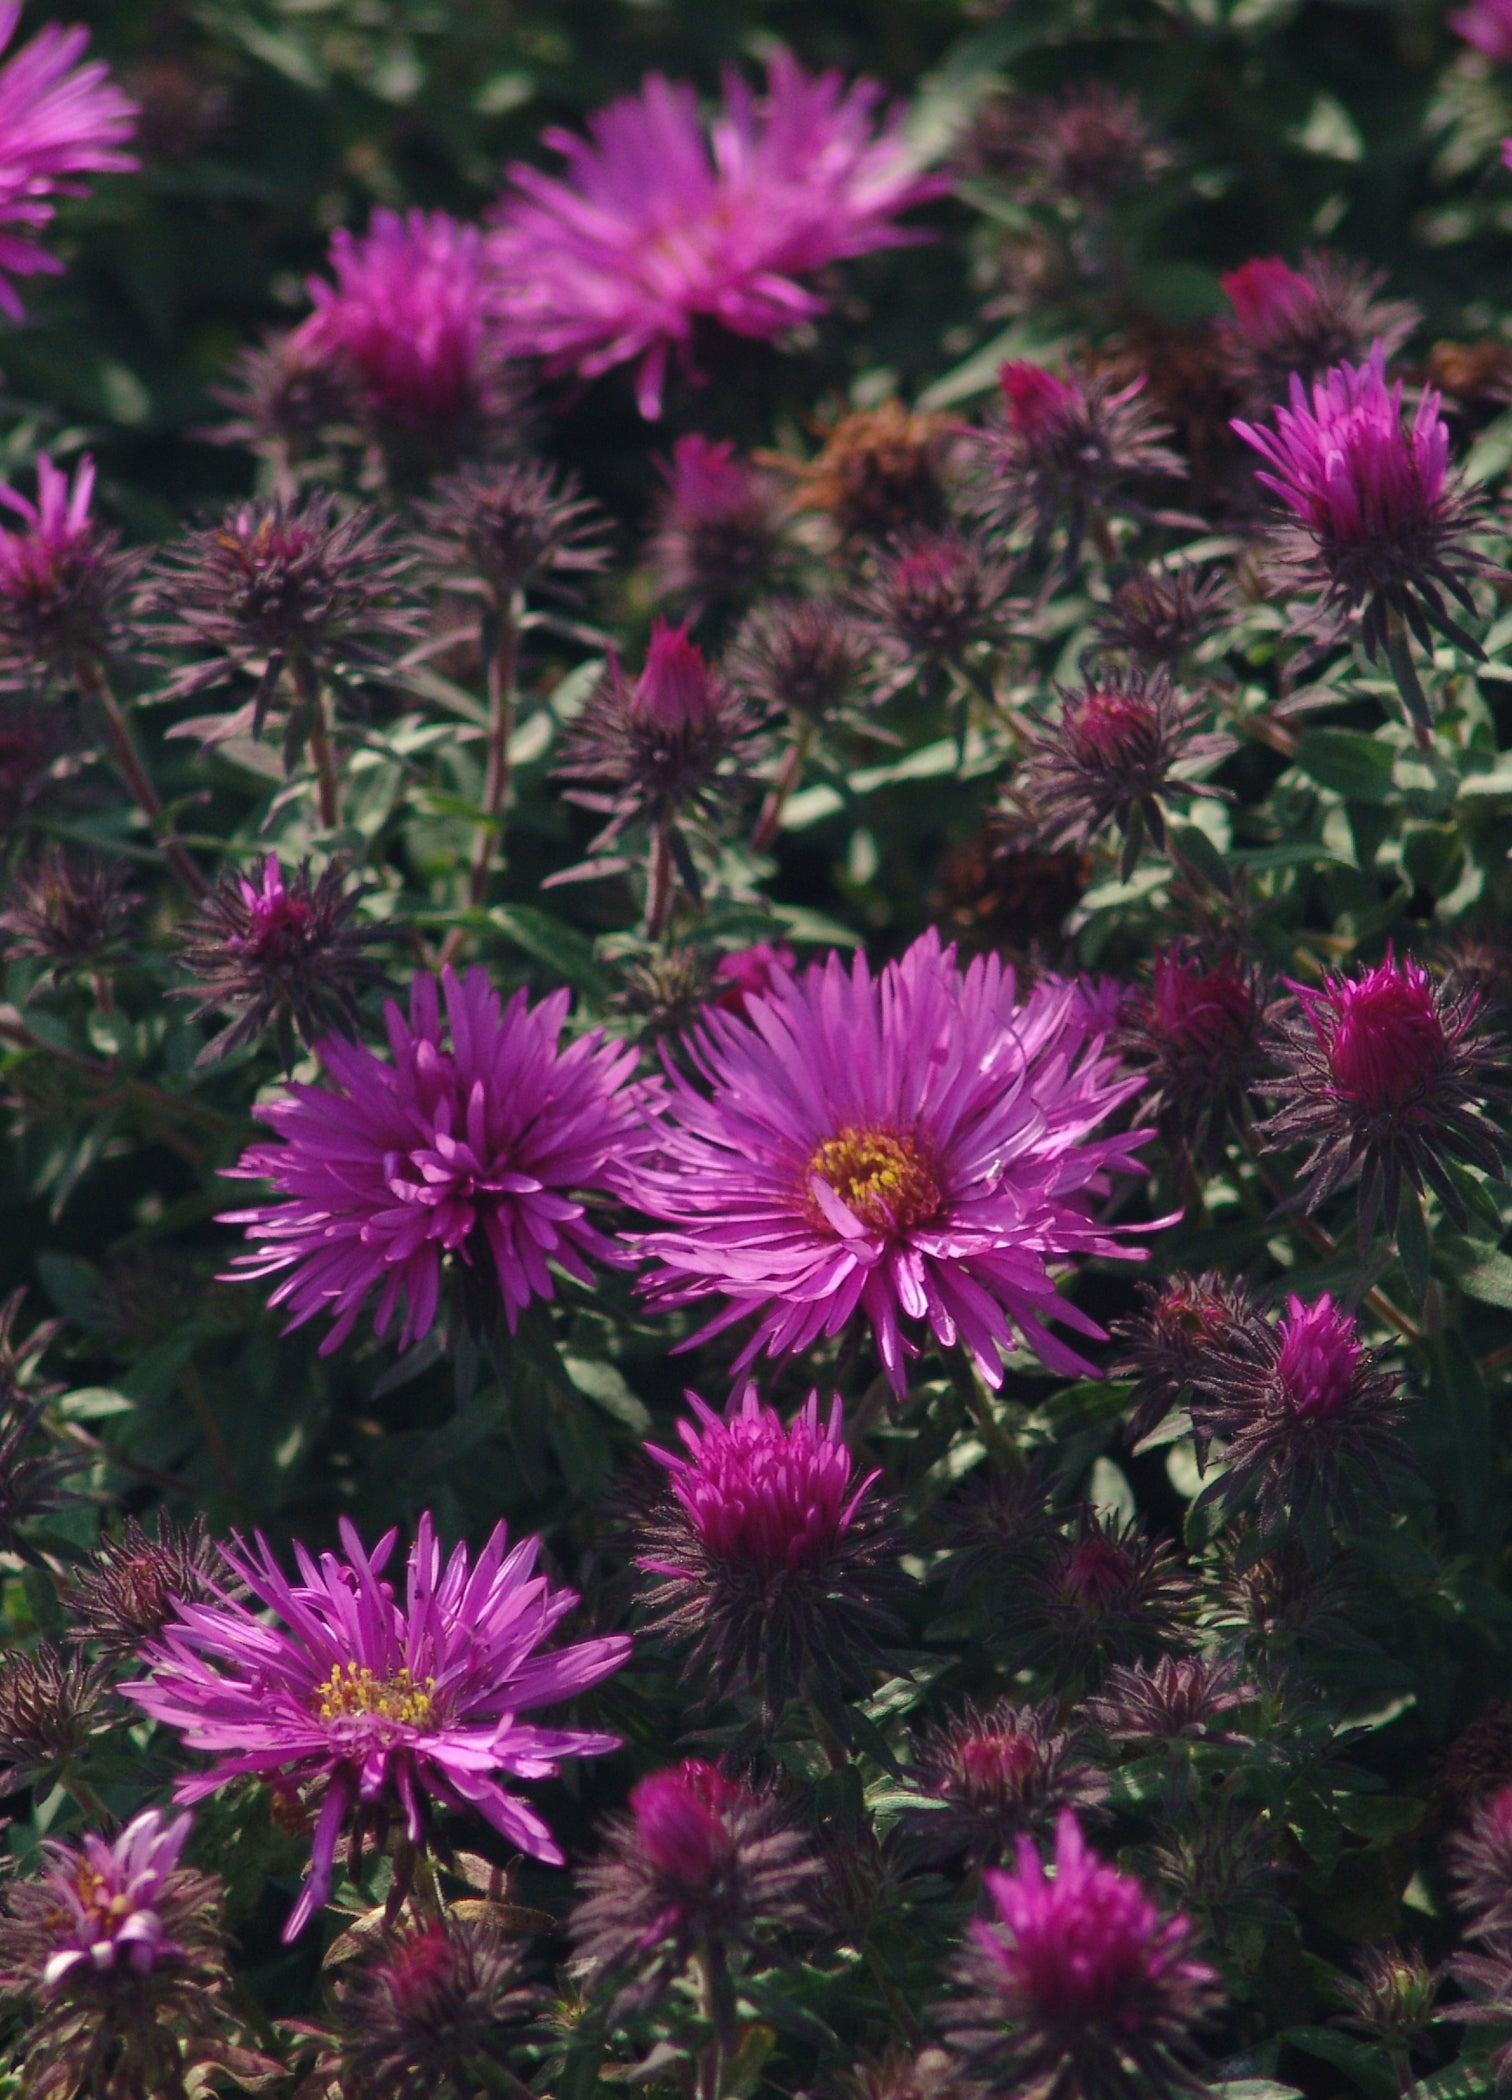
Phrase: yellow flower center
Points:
(107, 1911)
(351, 1690)
(882, 1178)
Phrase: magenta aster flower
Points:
(374, 1703)
(1380, 523)
(744, 973)
(656, 224)
(413, 322)
(773, 1557)
(1381, 1076)
(913, 1147)
(451, 1159)
(1487, 26)
(1078, 1986)
(1303, 1408)
(110, 1896)
(58, 120)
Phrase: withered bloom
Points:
(128, 1593)
(280, 952)
(879, 470)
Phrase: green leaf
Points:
(604, 1384)
(1353, 765)
(1414, 1247)
(553, 942)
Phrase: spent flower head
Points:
(878, 471)
(59, 120)
(1384, 1075)
(775, 1563)
(703, 1864)
(1373, 520)
(1304, 1408)
(1076, 1987)
(373, 1703)
(281, 951)
(659, 225)
(463, 1161)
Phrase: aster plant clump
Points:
(755, 1167)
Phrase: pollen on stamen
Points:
(882, 1177)
(353, 1690)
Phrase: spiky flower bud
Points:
(1175, 1698)
(1077, 1985)
(63, 579)
(999, 1773)
(772, 1557)
(1101, 1593)
(718, 533)
(931, 597)
(32, 1475)
(1303, 1408)
(1112, 758)
(67, 910)
(1060, 446)
(798, 657)
(702, 1863)
(501, 526)
(129, 1592)
(1195, 1027)
(1156, 617)
(49, 1709)
(1172, 1339)
(280, 952)
(434, 2011)
(1383, 1076)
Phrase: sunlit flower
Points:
(1077, 1985)
(376, 1703)
(658, 224)
(459, 1159)
(912, 1149)
(1378, 524)
(775, 1560)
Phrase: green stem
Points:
(89, 676)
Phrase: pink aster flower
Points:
(459, 1157)
(744, 972)
(775, 1560)
(1380, 522)
(1487, 26)
(412, 322)
(374, 1703)
(910, 1148)
(58, 120)
(657, 224)
(1078, 1984)
(110, 1896)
